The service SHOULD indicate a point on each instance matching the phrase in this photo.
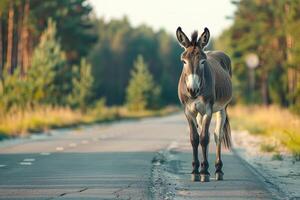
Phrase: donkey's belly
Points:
(199, 106)
(222, 101)
(219, 106)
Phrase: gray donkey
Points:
(205, 88)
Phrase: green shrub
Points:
(267, 147)
(142, 92)
(277, 156)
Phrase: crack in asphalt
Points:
(117, 192)
(67, 193)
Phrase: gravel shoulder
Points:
(282, 172)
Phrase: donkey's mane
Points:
(194, 38)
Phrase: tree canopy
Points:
(64, 56)
(118, 46)
(268, 29)
(56, 52)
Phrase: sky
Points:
(167, 14)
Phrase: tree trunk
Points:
(10, 37)
(25, 38)
(265, 89)
(20, 39)
(14, 55)
(1, 47)
(292, 84)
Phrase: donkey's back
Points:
(220, 65)
(221, 58)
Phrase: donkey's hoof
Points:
(204, 177)
(195, 177)
(219, 176)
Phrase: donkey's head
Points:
(193, 59)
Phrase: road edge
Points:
(270, 186)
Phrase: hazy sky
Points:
(168, 14)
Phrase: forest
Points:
(58, 54)
(270, 30)
(48, 46)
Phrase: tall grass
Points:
(272, 121)
(42, 118)
(20, 122)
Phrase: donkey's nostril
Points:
(193, 93)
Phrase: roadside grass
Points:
(277, 156)
(267, 148)
(125, 113)
(43, 118)
(273, 122)
(20, 122)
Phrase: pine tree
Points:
(49, 74)
(82, 85)
(142, 92)
(269, 29)
(74, 25)
(15, 92)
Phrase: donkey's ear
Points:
(182, 38)
(203, 40)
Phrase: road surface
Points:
(144, 159)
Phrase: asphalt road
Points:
(145, 159)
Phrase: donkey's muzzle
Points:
(193, 92)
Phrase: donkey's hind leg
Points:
(221, 117)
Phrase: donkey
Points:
(205, 88)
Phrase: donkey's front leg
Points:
(204, 140)
(194, 138)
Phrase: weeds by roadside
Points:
(277, 156)
(42, 118)
(277, 124)
(267, 148)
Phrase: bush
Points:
(82, 85)
(142, 92)
(14, 93)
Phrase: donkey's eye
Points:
(202, 61)
(183, 61)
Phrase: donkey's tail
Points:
(227, 132)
